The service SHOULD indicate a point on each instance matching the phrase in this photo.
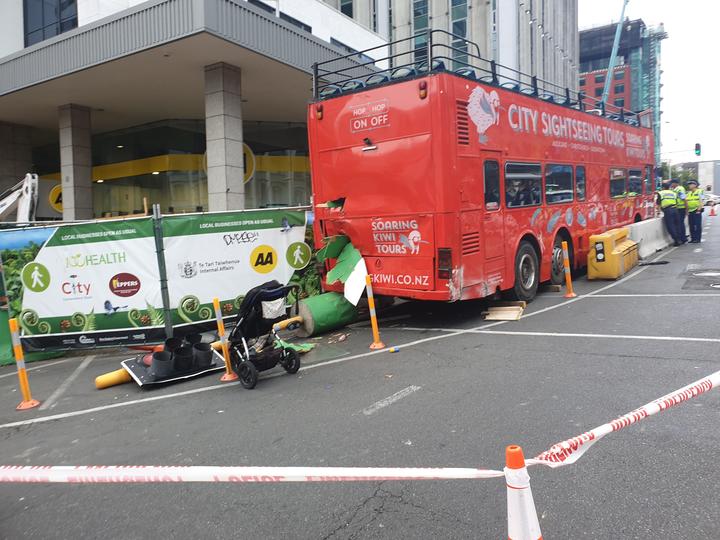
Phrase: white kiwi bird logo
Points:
(484, 110)
(412, 241)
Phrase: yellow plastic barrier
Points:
(107, 380)
(612, 254)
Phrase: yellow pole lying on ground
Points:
(28, 402)
(229, 374)
(376, 344)
(568, 277)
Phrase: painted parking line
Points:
(43, 365)
(397, 396)
(443, 335)
(49, 402)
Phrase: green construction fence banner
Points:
(99, 284)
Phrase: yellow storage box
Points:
(612, 254)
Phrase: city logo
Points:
(75, 288)
(35, 277)
(484, 110)
(263, 259)
(298, 255)
(80, 260)
(188, 269)
(124, 284)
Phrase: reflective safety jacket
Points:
(668, 198)
(680, 203)
(693, 200)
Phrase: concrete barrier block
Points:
(651, 236)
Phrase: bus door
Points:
(493, 232)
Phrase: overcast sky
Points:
(690, 64)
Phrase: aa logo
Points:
(263, 259)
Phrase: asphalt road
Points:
(478, 387)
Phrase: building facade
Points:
(635, 81)
(200, 105)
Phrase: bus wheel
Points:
(557, 269)
(527, 272)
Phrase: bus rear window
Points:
(558, 184)
(522, 184)
(635, 182)
(617, 183)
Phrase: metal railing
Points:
(349, 73)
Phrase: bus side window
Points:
(617, 183)
(558, 184)
(635, 182)
(648, 180)
(523, 184)
(580, 183)
(492, 185)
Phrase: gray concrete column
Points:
(15, 154)
(224, 137)
(76, 162)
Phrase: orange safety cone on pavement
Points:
(229, 374)
(376, 344)
(522, 518)
(27, 400)
(566, 267)
(712, 210)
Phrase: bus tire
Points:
(527, 272)
(557, 267)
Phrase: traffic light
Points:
(697, 149)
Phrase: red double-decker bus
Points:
(459, 178)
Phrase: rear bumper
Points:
(381, 290)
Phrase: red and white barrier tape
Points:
(570, 450)
(141, 474)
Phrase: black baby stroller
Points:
(253, 342)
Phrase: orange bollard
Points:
(568, 277)
(229, 374)
(28, 402)
(712, 210)
(523, 522)
(376, 344)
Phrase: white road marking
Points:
(697, 250)
(397, 396)
(323, 364)
(600, 336)
(66, 383)
(43, 365)
(649, 295)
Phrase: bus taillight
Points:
(422, 89)
(444, 263)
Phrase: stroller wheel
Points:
(248, 375)
(290, 361)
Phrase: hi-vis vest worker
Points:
(693, 200)
(680, 203)
(668, 198)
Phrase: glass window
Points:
(47, 18)
(620, 102)
(617, 183)
(598, 91)
(262, 5)
(346, 6)
(619, 88)
(582, 82)
(580, 183)
(492, 185)
(648, 179)
(522, 184)
(558, 184)
(295, 22)
(635, 182)
(619, 75)
(599, 78)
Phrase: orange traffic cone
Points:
(522, 518)
(712, 210)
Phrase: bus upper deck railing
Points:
(349, 73)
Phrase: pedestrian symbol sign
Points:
(35, 277)
(263, 259)
(298, 255)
